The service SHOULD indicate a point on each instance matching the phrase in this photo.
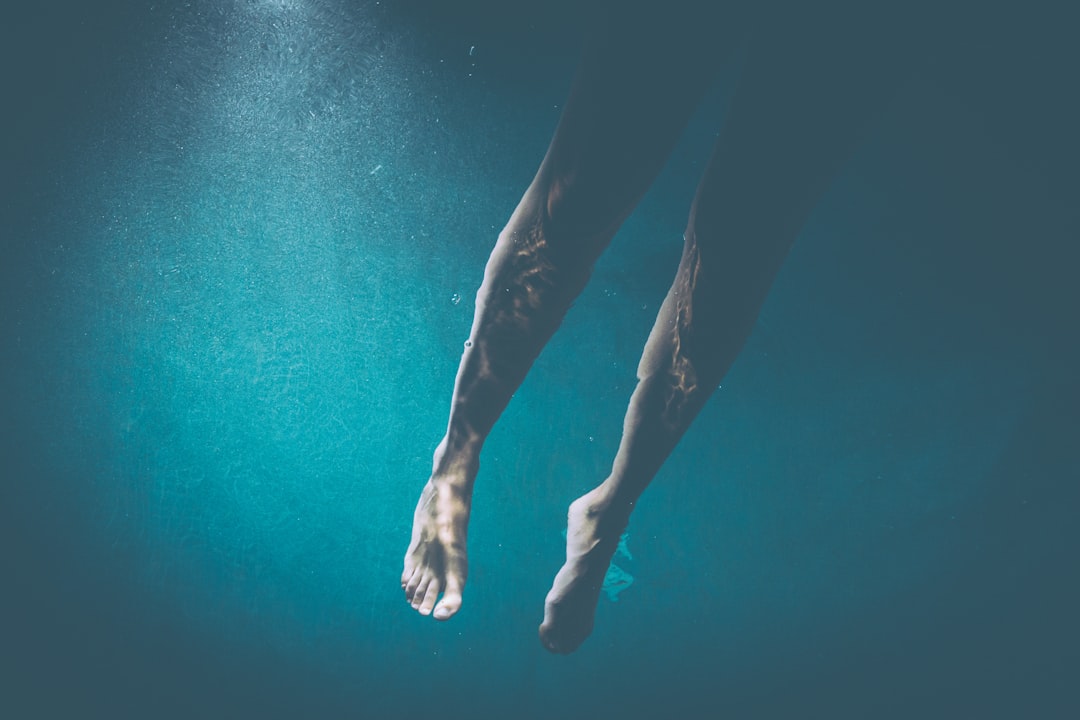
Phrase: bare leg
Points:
(619, 124)
(790, 129)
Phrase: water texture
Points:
(242, 241)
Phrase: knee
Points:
(578, 217)
(743, 235)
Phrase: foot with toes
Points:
(592, 536)
(435, 562)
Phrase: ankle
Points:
(606, 508)
(455, 464)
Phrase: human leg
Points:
(791, 127)
(618, 126)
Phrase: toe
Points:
(546, 638)
(420, 591)
(451, 600)
(431, 594)
(553, 642)
(448, 607)
(413, 583)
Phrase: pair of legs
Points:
(795, 116)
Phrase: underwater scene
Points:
(242, 242)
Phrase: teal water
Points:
(242, 241)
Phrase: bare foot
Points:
(436, 561)
(591, 538)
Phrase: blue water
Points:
(242, 241)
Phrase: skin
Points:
(791, 126)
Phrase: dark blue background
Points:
(234, 236)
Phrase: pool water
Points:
(242, 244)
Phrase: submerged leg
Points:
(791, 127)
(619, 124)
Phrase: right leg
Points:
(619, 124)
(795, 117)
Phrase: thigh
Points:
(643, 71)
(816, 75)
